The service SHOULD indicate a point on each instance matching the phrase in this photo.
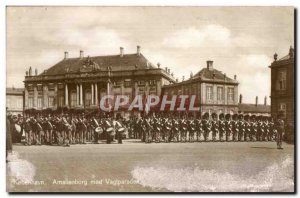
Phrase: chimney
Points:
(36, 72)
(66, 55)
(166, 69)
(138, 50)
(291, 52)
(169, 70)
(234, 77)
(121, 51)
(81, 54)
(30, 71)
(256, 101)
(241, 98)
(26, 73)
(265, 103)
(172, 74)
(177, 80)
(182, 78)
(158, 65)
(210, 65)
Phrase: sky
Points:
(240, 40)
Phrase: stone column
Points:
(96, 93)
(81, 102)
(93, 97)
(66, 95)
(35, 96)
(77, 95)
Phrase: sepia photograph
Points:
(156, 99)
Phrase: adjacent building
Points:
(255, 108)
(79, 83)
(282, 87)
(215, 92)
(14, 100)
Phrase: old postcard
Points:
(150, 99)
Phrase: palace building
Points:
(79, 83)
(215, 92)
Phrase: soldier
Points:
(156, 130)
(228, 127)
(260, 128)
(280, 128)
(247, 127)
(235, 127)
(199, 129)
(206, 126)
(175, 129)
(241, 127)
(182, 128)
(253, 128)
(166, 129)
(191, 129)
(214, 126)
(265, 128)
(28, 131)
(221, 127)
(271, 129)
(147, 127)
(118, 127)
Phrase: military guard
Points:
(280, 128)
(221, 127)
(206, 125)
(235, 127)
(241, 127)
(228, 127)
(183, 129)
(214, 126)
(191, 129)
(253, 128)
(260, 128)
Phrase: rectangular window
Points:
(141, 82)
(220, 92)
(30, 102)
(230, 94)
(50, 101)
(282, 80)
(60, 86)
(30, 87)
(152, 82)
(127, 83)
(209, 93)
(39, 102)
(282, 107)
(51, 86)
(61, 101)
(20, 103)
(40, 87)
(73, 99)
(88, 98)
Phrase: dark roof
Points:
(115, 62)
(212, 74)
(252, 108)
(14, 90)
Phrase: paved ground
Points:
(135, 166)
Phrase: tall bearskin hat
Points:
(221, 115)
(227, 116)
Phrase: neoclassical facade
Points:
(215, 92)
(79, 83)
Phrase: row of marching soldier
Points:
(70, 129)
